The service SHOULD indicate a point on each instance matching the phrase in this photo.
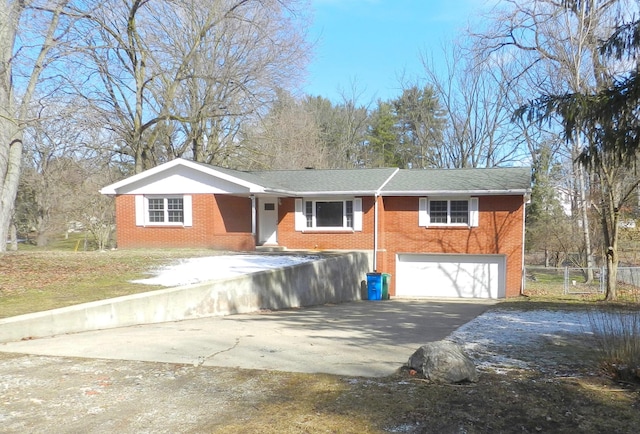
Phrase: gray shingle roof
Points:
(502, 179)
(315, 181)
(427, 181)
(242, 175)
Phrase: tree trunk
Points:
(586, 235)
(14, 236)
(10, 137)
(583, 209)
(13, 112)
(546, 257)
(9, 183)
(609, 215)
(612, 275)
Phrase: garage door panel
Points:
(459, 276)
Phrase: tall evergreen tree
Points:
(383, 138)
(420, 122)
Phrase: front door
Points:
(268, 221)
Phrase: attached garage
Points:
(450, 275)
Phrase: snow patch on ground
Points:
(209, 268)
(504, 339)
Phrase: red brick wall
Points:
(313, 240)
(227, 230)
(499, 232)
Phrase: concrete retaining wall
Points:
(334, 279)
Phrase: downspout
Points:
(526, 199)
(253, 218)
(376, 195)
(375, 232)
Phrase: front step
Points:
(267, 248)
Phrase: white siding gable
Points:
(180, 180)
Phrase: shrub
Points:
(617, 332)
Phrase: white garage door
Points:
(458, 276)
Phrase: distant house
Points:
(438, 232)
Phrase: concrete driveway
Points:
(364, 338)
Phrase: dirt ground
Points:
(72, 395)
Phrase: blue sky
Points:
(372, 42)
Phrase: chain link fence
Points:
(576, 282)
(570, 280)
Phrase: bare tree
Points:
(30, 33)
(175, 76)
(288, 137)
(342, 128)
(475, 98)
(52, 171)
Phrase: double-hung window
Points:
(448, 212)
(159, 210)
(329, 214)
(166, 210)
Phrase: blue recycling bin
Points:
(374, 286)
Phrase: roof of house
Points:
(443, 181)
(318, 181)
(383, 181)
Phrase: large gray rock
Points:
(443, 362)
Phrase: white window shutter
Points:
(423, 212)
(187, 209)
(139, 210)
(300, 219)
(357, 214)
(473, 212)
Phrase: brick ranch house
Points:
(438, 232)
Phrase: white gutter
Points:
(332, 193)
(517, 192)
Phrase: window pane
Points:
(156, 216)
(459, 211)
(176, 216)
(174, 204)
(156, 210)
(438, 211)
(156, 204)
(329, 214)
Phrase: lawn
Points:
(37, 280)
(576, 396)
